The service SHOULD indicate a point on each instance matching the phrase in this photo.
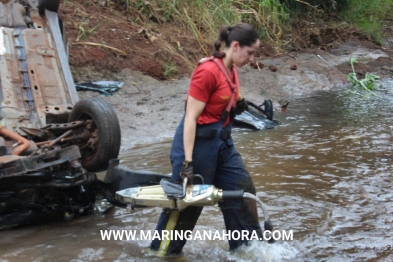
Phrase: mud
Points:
(106, 38)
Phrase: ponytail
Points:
(245, 34)
(222, 37)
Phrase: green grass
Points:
(367, 15)
(204, 18)
(170, 69)
(269, 17)
(84, 33)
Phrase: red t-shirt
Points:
(209, 85)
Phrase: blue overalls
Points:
(217, 160)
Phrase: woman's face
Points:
(245, 54)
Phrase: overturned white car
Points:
(50, 141)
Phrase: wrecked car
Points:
(257, 116)
(51, 142)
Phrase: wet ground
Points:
(325, 173)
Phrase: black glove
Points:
(187, 171)
(241, 106)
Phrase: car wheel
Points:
(51, 5)
(103, 143)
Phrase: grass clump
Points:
(367, 83)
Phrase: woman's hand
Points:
(187, 171)
(241, 106)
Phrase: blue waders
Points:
(217, 160)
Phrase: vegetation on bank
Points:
(367, 15)
(204, 18)
(270, 17)
(366, 84)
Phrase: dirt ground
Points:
(156, 61)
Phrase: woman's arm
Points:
(193, 110)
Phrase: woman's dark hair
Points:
(245, 34)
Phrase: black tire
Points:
(51, 5)
(108, 128)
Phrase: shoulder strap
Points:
(234, 85)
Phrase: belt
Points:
(212, 133)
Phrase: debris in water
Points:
(105, 87)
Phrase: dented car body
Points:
(51, 143)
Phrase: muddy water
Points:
(325, 173)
